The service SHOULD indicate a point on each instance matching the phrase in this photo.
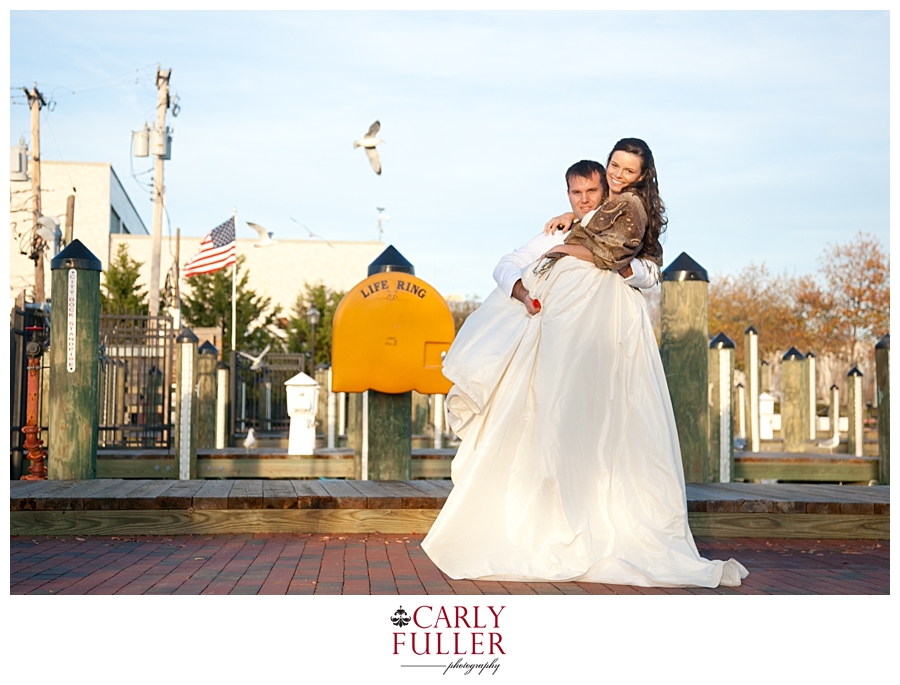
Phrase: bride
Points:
(569, 467)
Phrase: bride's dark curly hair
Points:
(646, 188)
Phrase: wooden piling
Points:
(186, 404)
(765, 377)
(883, 393)
(206, 395)
(721, 423)
(74, 396)
(855, 412)
(834, 415)
(390, 436)
(685, 356)
(793, 430)
(751, 368)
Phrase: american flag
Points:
(216, 251)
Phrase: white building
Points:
(102, 209)
(105, 217)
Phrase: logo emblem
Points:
(400, 618)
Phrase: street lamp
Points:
(312, 316)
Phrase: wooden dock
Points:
(435, 463)
(170, 507)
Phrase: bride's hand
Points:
(563, 221)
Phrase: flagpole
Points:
(234, 285)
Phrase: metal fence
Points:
(258, 395)
(136, 375)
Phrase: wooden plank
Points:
(410, 497)
(377, 496)
(50, 495)
(109, 497)
(213, 495)
(180, 495)
(153, 453)
(437, 492)
(345, 495)
(434, 453)
(810, 526)
(294, 467)
(278, 494)
(19, 488)
(834, 473)
(170, 522)
(430, 468)
(137, 468)
(311, 494)
(146, 496)
(246, 494)
(801, 457)
(210, 521)
(76, 495)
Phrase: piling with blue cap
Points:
(793, 430)
(883, 397)
(74, 396)
(684, 348)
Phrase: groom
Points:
(587, 187)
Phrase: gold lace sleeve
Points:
(615, 234)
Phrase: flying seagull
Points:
(257, 361)
(311, 234)
(250, 440)
(265, 238)
(369, 142)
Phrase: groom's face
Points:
(585, 194)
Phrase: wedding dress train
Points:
(569, 467)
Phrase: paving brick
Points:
(381, 564)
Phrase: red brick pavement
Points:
(376, 564)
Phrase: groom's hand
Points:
(522, 296)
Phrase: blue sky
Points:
(770, 129)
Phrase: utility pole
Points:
(70, 219)
(35, 102)
(159, 151)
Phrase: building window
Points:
(115, 223)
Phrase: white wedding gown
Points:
(569, 467)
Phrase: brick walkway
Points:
(362, 564)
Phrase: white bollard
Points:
(331, 423)
(751, 357)
(221, 404)
(766, 416)
(721, 424)
(854, 412)
(811, 370)
(438, 422)
(186, 407)
(742, 410)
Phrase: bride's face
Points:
(624, 168)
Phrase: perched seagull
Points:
(257, 361)
(369, 142)
(250, 441)
(311, 234)
(832, 442)
(265, 238)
